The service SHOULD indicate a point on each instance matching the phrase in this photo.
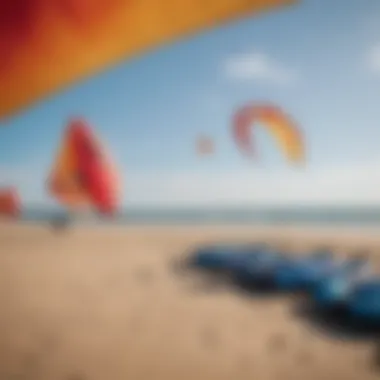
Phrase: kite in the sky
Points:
(83, 176)
(205, 146)
(10, 205)
(281, 126)
(46, 45)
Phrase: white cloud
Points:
(257, 66)
(341, 185)
(374, 59)
(357, 184)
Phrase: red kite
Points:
(82, 175)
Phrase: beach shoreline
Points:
(96, 302)
(292, 234)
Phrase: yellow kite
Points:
(289, 137)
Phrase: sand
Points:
(97, 303)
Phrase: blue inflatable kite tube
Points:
(364, 302)
(225, 257)
(259, 270)
(335, 289)
(301, 273)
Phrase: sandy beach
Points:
(96, 303)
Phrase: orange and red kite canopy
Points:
(46, 45)
(82, 175)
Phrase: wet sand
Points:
(95, 303)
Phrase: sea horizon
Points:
(275, 215)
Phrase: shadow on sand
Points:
(203, 282)
(335, 323)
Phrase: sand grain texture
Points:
(103, 303)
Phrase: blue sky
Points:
(319, 60)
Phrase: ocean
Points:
(354, 216)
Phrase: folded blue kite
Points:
(226, 256)
(303, 272)
(335, 289)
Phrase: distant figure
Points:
(60, 222)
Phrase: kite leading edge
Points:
(48, 45)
